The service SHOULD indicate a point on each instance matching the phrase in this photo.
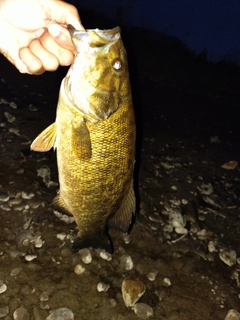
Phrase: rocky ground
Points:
(182, 259)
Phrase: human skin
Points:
(34, 35)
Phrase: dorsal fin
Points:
(45, 140)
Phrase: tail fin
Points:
(96, 241)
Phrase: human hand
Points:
(34, 35)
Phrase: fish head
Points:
(98, 81)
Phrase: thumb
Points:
(63, 13)
(61, 35)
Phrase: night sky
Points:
(201, 24)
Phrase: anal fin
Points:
(59, 205)
(124, 216)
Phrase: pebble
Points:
(21, 314)
(4, 197)
(167, 282)
(206, 189)
(152, 275)
(211, 247)
(15, 201)
(4, 311)
(31, 107)
(3, 288)
(10, 118)
(39, 314)
(105, 255)
(13, 105)
(126, 262)
(30, 257)
(143, 310)
(132, 290)
(5, 207)
(127, 238)
(85, 255)
(27, 195)
(38, 243)
(15, 272)
(17, 133)
(228, 256)
(230, 165)
(181, 230)
(232, 315)
(113, 302)
(61, 236)
(79, 269)
(102, 287)
(61, 314)
(34, 204)
(44, 296)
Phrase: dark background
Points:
(209, 25)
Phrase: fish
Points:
(94, 135)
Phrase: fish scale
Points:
(95, 141)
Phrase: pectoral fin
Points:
(45, 140)
(124, 216)
(81, 141)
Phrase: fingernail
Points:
(39, 32)
(54, 30)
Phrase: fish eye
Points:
(117, 64)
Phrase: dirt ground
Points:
(185, 244)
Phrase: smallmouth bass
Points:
(94, 134)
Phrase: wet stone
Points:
(232, 315)
(105, 255)
(61, 314)
(126, 262)
(30, 257)
(21, 314)
(152, 275)
(44, 305)
(4, 197)
(4, 311)
(39, 314)
(79, 269)
(13, 105)
(15, 272)
(44, 296)
(85, 255)
(102, 287)
(132, 290)
(143, 310)
(228, 256)
(27, 195)
(127, 238)
(5, 207)
(34, 204)
(167, 282)
(15, 201)
(10, 117)
(3, 287)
